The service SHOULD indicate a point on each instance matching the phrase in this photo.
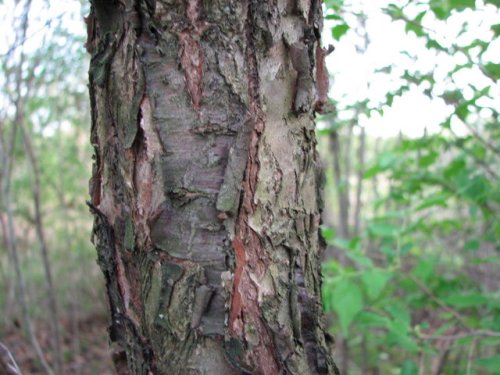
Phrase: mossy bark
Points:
(205, 185)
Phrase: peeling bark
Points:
(205, 188)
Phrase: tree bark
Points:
(205, 187)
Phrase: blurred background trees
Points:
(411, 155)
(412, 158)
(49, 282)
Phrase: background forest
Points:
(411, 154)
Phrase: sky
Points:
(354, 78)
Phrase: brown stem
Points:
(341, 196)
(43, 247)
(359, 186)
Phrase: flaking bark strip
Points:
(202, 298)
(216, 129)
(322, 80)
(304, 86)
(135, 114)
(191, 53)
(245, 314)
(228, 198)
(101, 61)
(234, 351)
(170, 274)
(122, 329)
(183, 196)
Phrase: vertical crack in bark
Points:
(246, 319)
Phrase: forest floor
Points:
(85, 347)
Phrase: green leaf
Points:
(476, 189)
(333, 17)
(334, 4)
(424, 268)
(326, 293)
(340, 243)
(472, 245)
(490, 363)
(328, 233)
(399, 326)
(383, 230)
(323, 132)
(415, 26)
(339, 30)
(438, 199)
(462, 4)
(461, 300)
(462, 111)
(492, 70)
(403, 340)
(428, 159)
(387, 159)
(375, 281)
(440, 8)
(479, 151)
(392, 214)
(496, 28)
(433, 44)
(400, 314)
(494, 2)
(331, 267)
(456, 166)
(347, 301)
(360, 259)
(487, 260)
(389, 98)
(355, 244)
(394, 11)
(370, 319)
(373, 171)
(409, 368)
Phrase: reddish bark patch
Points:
(122, 280)
(249, 255)
(149, 196)
(191, 54)
(236, 303)
(95, 189)
(322, 81)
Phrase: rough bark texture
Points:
(205, 187)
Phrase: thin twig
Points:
(479, 333)
(427, 291)
(359, 186)
(479, 161)
(43, 247)
(469, 356)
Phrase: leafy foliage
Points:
(419, 278)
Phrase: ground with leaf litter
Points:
(85, 347)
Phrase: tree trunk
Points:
(205, 185)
